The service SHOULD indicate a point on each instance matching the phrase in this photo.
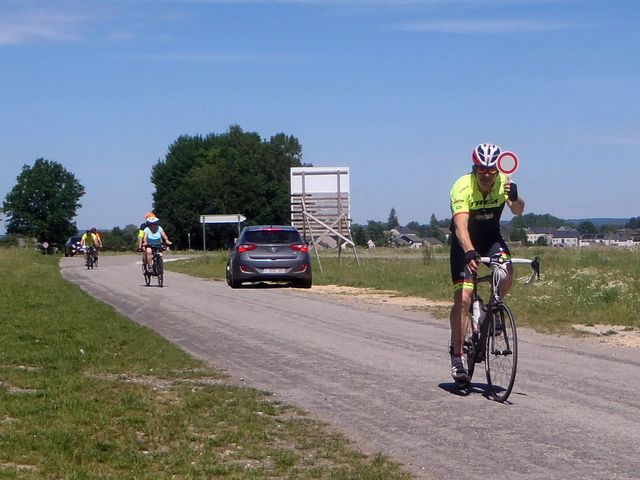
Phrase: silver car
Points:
(269, 253)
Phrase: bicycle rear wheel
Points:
(501, 353)
(160, 271)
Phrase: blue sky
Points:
(399, 91)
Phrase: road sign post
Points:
(228, 218)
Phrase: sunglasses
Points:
(484, 170)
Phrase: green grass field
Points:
(87, 394)
(577, 286)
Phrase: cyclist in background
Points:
(477, 201)
(154, 236)
(98, 243)
(140, 239)
(141, 230)
(88, 241)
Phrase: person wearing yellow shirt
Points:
(90, 241)
(477, 200)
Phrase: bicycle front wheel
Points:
(501, 353)
(146, 275)
(160, 271)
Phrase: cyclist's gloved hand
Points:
(513, 192)
(470, 256)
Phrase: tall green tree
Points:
(518, 235)
(434, 227)
(375, 231)
(359, 233)
(587, 226)
(43, 202)
(233, 172)
(393, 222)
(536, 220)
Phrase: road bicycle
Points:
(492, 338)
(157, 266)
(89, 257)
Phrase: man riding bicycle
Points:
(90, 240)
(98, 242)
(477, 201)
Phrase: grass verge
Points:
(85, 393)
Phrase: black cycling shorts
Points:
(460, 274)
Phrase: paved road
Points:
(381, 375)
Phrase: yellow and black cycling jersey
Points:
(89, 240)
(484, 212)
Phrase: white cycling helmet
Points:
(486, 155)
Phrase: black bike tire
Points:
(146, 275)
(160, 271)
(495, 368)
(468, 341)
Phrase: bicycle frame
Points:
(89, 253)
(156, 268)
(495, 340)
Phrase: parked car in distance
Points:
(73, 246)
(273, 253)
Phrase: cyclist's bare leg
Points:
(505, 284)
(149, 255)
(459, 318)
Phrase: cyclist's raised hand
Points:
(511, 190)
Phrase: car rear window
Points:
(272, 236)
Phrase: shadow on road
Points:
(476, 388)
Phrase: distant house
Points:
(564, 237)
(591, 239)
(397, 239)
(412, 240)
(432, 242)
(405, 231)
(628, 237)
(535, 233)
(405, 237)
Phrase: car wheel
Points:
(232, 282)
(304, 284)
(228, 274)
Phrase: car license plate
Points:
(274, 270)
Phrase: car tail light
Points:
(245, 247)
(244, 268)
(303, 268)
(301, 247)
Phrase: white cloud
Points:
(190, 57)
(28, 26)
(629, 140)
(483, 26)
